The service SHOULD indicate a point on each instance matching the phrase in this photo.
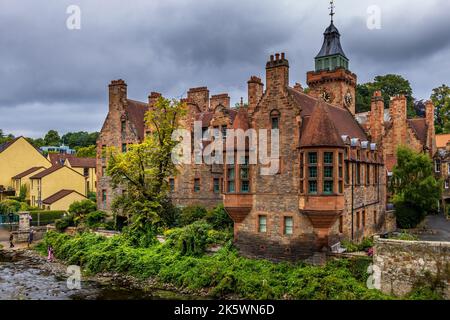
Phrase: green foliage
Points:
(9, 205)
(416, 191)
(389, 85)
(95, 219)
(223, 273)
(67, 221)
(5, 137)
(52, 138)
(145, 168)
(82, 207)
(92, 196)
(86, 152)
(46, 217)
(365, 244)
(406, 236)
(82, 139)
(191, 214)
(218, 218)
(190, 240)
(441, 99)
(23, 192)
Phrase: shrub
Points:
(82, 207)
(406, 236)
(364, 245)
(408, 216)
(92, 196)
(46, 217)
(219, 219)
(94, 219)
(9, 205)
(191, 214)
(190, 240)
(65, 222)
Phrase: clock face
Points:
(348, 99)
(326, 96)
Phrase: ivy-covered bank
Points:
(223, 274)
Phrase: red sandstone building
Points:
(331, 182)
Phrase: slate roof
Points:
(58, 196)
(136, 115)
(59, 158)
(332, 43)
(6, 145)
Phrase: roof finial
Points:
(332, 10)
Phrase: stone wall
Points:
(403, 263)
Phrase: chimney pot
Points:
(282, 55)
(271, 57)
(277, 55)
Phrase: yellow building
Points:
(16, 157)
(62, 200)
(84, 166)
(23, 179)
(49, 182)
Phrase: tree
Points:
(143, 171)
(389, 85)
(52, 138)
(5, 137)
(416, 191)
(87, 152)
(441, 100)
(80, 139)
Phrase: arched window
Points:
(275, 119)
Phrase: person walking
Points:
(30, 237)
(11, 239)
(50, 256)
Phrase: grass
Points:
(222, 274)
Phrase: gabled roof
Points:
(46, 172)
(27, 172)
(59, 158)
(6, 145)
(343, 120)
(419, 126)
(136, 115)
(59, 195)
(320, 130)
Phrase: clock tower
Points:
(332, 80)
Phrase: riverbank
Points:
(25, 274)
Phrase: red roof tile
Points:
(419, 127)
(76, 162)
(321, 130)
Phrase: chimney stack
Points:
(200, 97)
(255, 92)
(376, 118)
(153, 98)
(431, 133)
(277, 72)
(117, 94)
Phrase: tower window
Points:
(123, 126)
(275, 119)
(328, 173)
(231, 180)
(196, 185)
(216, 185)
(312, 173)
(172, 184)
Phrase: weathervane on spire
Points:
(332, 10)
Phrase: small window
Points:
(172, 184)
(312, 187)
(312, 156)
(328, 187)
(328, 172)
(437, 166)
(262, 226)
(364, 219)
(124, 147)
(275, 123)
(313, 172)
(104, 195)
(196, 185)
(231, 180)
(328, 158)
(86, 172)
(123, 126)
(341, 224)
(288, 225)
(216, 186)
(275, 119)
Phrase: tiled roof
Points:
(343, 120)
(442, 140)
(206, 117)
(82, 162)
(320, 130)
(58, 196)
(59, 158)
(136, 114)
(46, 172)
(419, 126)
(27, 172)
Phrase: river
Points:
(27, 276)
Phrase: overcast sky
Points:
(55, 78)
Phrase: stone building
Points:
(331, 178)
